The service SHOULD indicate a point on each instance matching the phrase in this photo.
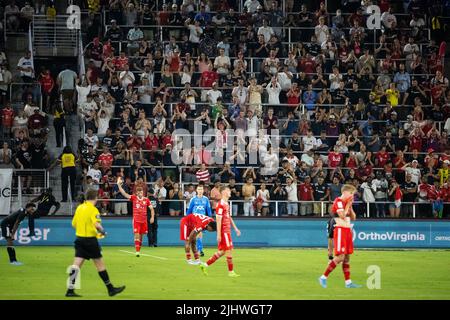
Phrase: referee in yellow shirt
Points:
(86, 222)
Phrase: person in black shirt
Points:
(152, 234)
(23, 161)
(295, 143)
(321, 193)
(39, 156)
(340, 94)
(278, 193)
(10, 225)
(409, 189)
(236, 194)
(44, 204)
(401, 142)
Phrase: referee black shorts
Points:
(6, 229)
(330, 227)
(87, 248)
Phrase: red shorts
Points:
(185, 231)
(343, 241)
(140, 227)
(225, 242)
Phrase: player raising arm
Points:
(224, 223)
(190, 226)
(199, 205)
(342, 236)
(140, 204)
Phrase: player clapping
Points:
(342, 236)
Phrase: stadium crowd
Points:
(352, 105)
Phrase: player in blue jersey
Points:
(200, 205)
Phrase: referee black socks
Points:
(12, 254)
(104, 275)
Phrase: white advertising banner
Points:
(5, 190)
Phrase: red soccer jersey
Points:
(140, 208)
(106, 160)
(338, 204)
(223, 210)
(208, 78)
(198, 222)
(7, 118)
(334, 159)
(383, 158)
(305, 192)
(415, 142)
(47, 83)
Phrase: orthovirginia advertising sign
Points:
(258, 233)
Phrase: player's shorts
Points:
(87, 248)
(140, 227)
(6, 230)
(343, 241)
(225, 242)
(330, 228)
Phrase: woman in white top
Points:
(82, 90)
(262, 200)
(273, 89)
(342, 143)
(103, 118)
(20, 123)
(186, 75)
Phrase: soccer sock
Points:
(213, 259)
(188, 255)
(12, 254)
(104, 275)
(137, 245)
(199, 244)
(73, 274)
(230, 263)
(196, 255)
(346, 270)
(330, 268)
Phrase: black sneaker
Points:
(202, 254)
(330, 257)
(72, 294)
(115, 291)
(155, 245)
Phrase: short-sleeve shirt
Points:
(223, 210)
(198, 222)
(67, 160)
(140, 208)
(338, 205)
(84, 220)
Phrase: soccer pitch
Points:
(162, 273)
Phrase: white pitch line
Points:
(143, 254)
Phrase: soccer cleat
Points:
(233, 274)
(323, 282)
(115, 291)
(352, 285)
(202, 254)
(196, 262)
(72, 294)
(203, 267)
(16, 263)
(138, 254)
(330, 257)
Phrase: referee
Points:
(86, 222)
(9, 226)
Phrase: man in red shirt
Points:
(307, 65)
(190, 226)
(208, 77)
(7, 115)
(140, 204)
(334, 160)
(105, 159)
(121, 61)
(47, 84)
(224, 223)
(306, 193)
(382, 157)
(342, 236)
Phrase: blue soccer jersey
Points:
(199, 206)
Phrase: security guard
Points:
(86, 222)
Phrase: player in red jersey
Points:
(342, 236)
(140, 204)
(224, 241)
(190, 226)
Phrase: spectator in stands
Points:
(5, 82)
(25, 66)
(66, 83)
(249, 193)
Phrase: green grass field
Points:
(265, 274)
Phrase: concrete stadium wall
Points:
(257, 233)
